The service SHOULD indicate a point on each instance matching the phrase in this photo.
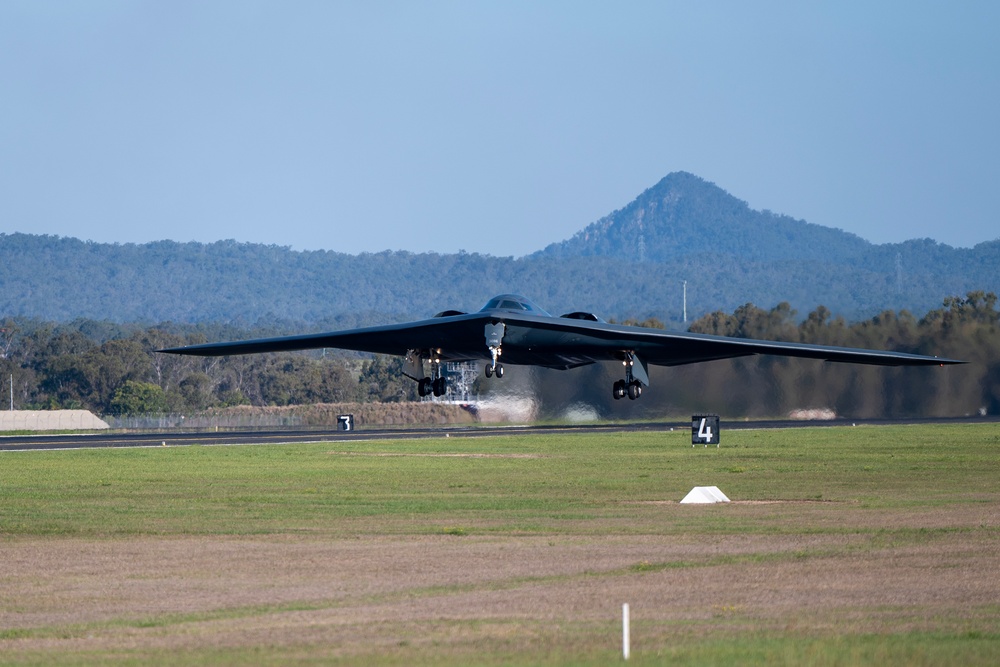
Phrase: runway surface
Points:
(175, 438)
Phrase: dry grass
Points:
(349, 597)
(325, 414)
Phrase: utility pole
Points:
(685, 302)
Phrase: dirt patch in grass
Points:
(440, 455)
(354, 595)
(740, 502)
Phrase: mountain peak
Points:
(684, 214)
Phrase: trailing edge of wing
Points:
(665, 348)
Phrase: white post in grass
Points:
(626, 648)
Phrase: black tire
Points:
(499, 371)
(489, 371)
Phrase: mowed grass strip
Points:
(517, 483)
(510, 643)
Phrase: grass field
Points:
(843, 546)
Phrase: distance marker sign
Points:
(705, 430)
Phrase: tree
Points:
(382, 379)
(138, 398)
(196, 390)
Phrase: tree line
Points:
(114, 369)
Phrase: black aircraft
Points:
(514, 328)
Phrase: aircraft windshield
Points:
(513, 303)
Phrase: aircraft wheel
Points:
(489, 371)
(499, 371)
(440, 386)
(424, 387)
(634, 390)
(618, 391)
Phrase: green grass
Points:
(909, 649)
(561, 486)
(529, 484)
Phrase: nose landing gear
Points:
(493, 369)
(494, 336)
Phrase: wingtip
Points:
(175, 350)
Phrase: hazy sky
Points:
(493, 127)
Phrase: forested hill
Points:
(683, 215)
(630, 264)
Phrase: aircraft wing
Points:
(554, 342)
(459, 336)
(512, 329)
(587, 341)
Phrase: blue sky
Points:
(490, 127)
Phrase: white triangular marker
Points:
(705, 494)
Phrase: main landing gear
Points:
(630, 386)
(437, 383)
(437, 386)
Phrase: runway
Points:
(288, 436)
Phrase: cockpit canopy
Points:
(515, 304)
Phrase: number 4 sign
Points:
(705, 430)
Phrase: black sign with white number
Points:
(704, 430)
(345, 423)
